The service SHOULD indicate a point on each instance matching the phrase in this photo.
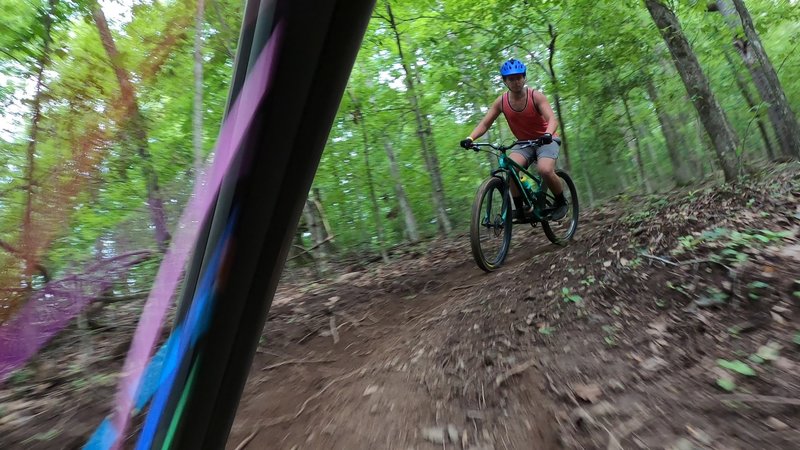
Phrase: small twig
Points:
(514, 371)
(658, 258)
(308, 250)
(303, 339)
(760, 399)
(334, 330)
(297, 361)
(458, 288)
(247, 440)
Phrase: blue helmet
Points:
(512, 67)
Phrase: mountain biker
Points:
(529, 116)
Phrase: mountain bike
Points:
(493, 208)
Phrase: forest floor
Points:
(671, 321)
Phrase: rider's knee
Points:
(545, 170)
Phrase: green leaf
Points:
(768, 352)
(756, 359)
(726, 384)
(737, 366)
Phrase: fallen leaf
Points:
(588, 392)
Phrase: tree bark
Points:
(359, 119)
(781, 115)
(424, 134)
(412, 231)
(562, 128)
(30, 252)
(787, 130)
(751, 104)
(134, 126)
(318, 234)
(636, 148)
(643, 130)
(711, 113)
(197, 119)
(675, 142)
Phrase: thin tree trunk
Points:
(134, 124)
(358, 118)
(318, 234)
(711, 113)
(197, 120)
(751, 104)
(317, 199)
(29, 248)
(562, 128)
(581, 156)
(642, 130)
(424, 134)
(636, 148)
(412, 231)
(780, 113)
(676, 144)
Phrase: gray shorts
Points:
(546, 151)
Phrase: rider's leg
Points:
(547, 169)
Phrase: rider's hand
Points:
(546, 138)
(467, 143)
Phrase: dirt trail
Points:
(633, 336)
(401, 371)
(672, 321)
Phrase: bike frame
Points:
(510, 170)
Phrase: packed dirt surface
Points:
(671, 321)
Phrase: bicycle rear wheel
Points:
(561, 231)
(490, 228)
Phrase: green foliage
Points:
(737, 366)
(567, 296)
(726, 384)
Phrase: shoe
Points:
(519, 215)
(559, 211)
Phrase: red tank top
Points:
(526, 124)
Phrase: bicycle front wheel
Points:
(562, 230)
(490, 229)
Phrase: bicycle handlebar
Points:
(503, 148)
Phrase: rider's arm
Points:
(488, 120)
(546, 111)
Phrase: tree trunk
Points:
(317, 199)
(633, 143)
(412, 232)
(644, 131)
(784, 121)
(714, 119)
(751, 104)
(318, 234)
(424, 134)
(358, 118)
(676, 144)
(197, 120)
(30, 251)
(562, 128)
(133, 124)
